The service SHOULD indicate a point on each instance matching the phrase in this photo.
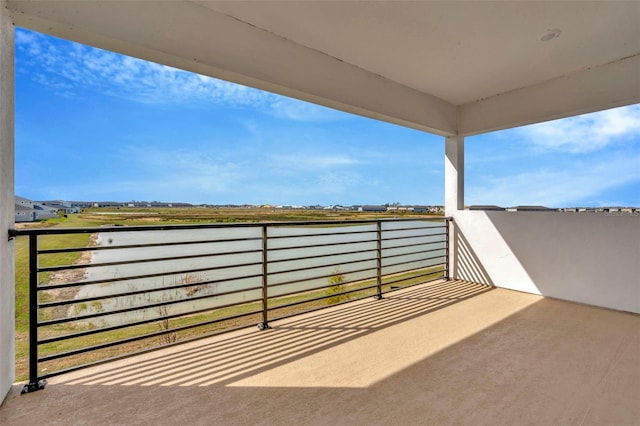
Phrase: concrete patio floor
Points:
(440, 353)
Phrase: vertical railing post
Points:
(378, 295)
(265, 295)
(447, 231)
(34, 384)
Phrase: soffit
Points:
(457, 51)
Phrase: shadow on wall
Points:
(466, 265)
(587, 258)
(579, 257)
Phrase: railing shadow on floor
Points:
(232, 357)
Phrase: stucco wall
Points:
(7, 205)
(591, 258)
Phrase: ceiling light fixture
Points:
(549, 35)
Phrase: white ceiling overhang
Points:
(443, 67)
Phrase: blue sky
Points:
(95, 125)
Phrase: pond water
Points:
(230, 259)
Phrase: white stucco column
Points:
(7, 203)
(454, 175)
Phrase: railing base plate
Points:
(32, 387)
(263, 326)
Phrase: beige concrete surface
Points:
(440, 353)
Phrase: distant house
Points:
(24, 210)
(113, 204)
(24, 214)
(372, 208)
(21, 201)
(61, 206)
(28, 210)
(420, 209)
(45, 212)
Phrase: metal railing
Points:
(98, 294)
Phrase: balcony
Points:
(507, 355)
(445, 352)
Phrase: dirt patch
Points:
(68, 276)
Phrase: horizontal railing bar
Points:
(106, 229)
(416, 245)
(130, 246)
(391, 256)
(326, 265)
(317, 256)
(322, 245)
(324, 286)
(137, 323)
(147, 260)
(138, 277)
(342, 222)
(135, 277)
(143, 307)
(156, 289)
(413, 237)
(426, 274)
(412, 261)
(320, 298)
(320, 234)
(293, 293)
(182, 243)
(136, 338)
(417, 227)
(413, 228)
(318, 277)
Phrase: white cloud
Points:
(337, 182)
(69, 69)
(24, 37)
(585, 133)
(292, 109)
(311, 161)
(557, 187)
(75, 68)
(182, 172)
